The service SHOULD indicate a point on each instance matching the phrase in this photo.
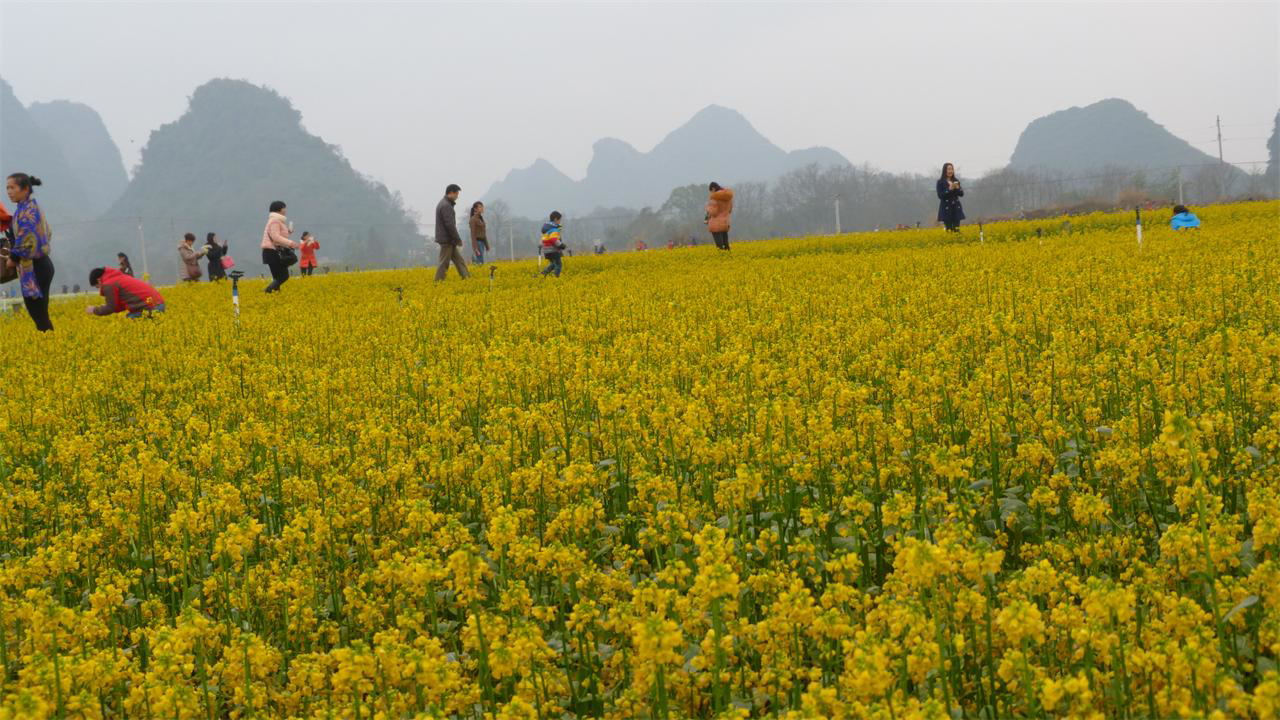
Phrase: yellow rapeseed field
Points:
(883, 475)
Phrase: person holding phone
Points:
(718, 211)
(307, 266)
(190, 258)
(214, 251)
(950, 212)
(277, 249)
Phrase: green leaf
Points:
(1248, 602)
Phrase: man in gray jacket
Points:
(447, 236)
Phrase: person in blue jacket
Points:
(950, 213)
(1184, 219)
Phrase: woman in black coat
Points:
(216, 251)
(950, 213)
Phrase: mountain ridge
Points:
(27, 147)
(1111, 132)
(619, 175)
(87, 147)
(235, 149)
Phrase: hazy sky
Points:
(420, 94)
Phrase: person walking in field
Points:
(479, 235)
(28, 255)
(277, 249)
(122, 293)
(719, 208)
(309, 247)
(215, 251)
(447, 236)
(1184, 219)
(190, 258)
(950, 212)
(552, 245)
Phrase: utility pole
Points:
(511, 241)
(1179, 184)
(837, 214)
(142, 240)
(1219, 118)
(1222, 164)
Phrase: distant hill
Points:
(1107, 134)
(529, 191)
(237, 148)
(716, 144)
(78, 131)
(26, 147)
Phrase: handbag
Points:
(227, 262)
(6, 273)
(287, 256)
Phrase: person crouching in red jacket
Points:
(123, 293)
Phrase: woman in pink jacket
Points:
(719, 208)
(277, 249)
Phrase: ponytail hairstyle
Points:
(475, 205)
(25, 181)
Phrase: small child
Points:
(1184, 219)
(552, 247)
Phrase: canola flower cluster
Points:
(882, 475)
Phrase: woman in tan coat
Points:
(190, 258)
(719, 208)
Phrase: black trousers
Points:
(722, 239)
(38, 309)
(279, 270)
(307, 271)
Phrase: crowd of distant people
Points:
(25, 247)
(552, 247)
